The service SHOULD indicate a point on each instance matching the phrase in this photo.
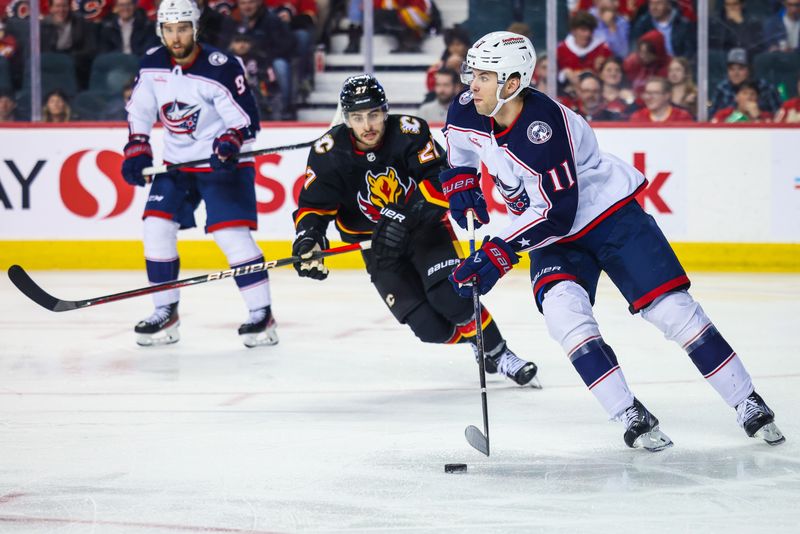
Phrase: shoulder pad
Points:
(465, 97)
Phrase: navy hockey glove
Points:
(138, 156)
(226, 147)
(484, 267)
(393, 231)
(462, 187)
(306, 242)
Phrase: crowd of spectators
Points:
(620, 59)
(635, 60)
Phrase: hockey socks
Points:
(160, 271)
(719, 365)
(240, 249)
(597, 364)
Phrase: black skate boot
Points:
(520, 371)
(260, 329)
(161, 328)
(757, 420)
(642, 428)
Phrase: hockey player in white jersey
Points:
(572, 208)
(202, 99)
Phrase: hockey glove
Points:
(307, 242)
(138, 156)
(462, 187)
(226, 147)
(484, 267)
(393, 231)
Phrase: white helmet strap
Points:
(502, 101)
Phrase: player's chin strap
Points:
(501, 101)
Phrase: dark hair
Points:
(454, 76)
(457, 33)
(583, 19)
(55, 92)
(589, 75)
(748, 84)
(5, 92)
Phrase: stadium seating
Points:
(779, 68)
(58, 72)
(5, 75)
(112, 71)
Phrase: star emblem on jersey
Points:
(465, 98)
(524, 242)
(383, 188)
(179, 117)
(217, 59)
(539, 132)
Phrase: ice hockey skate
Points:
(161, 328)
(642, 429)
(508, 364)
(260, 329)
(757, 420)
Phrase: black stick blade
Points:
(31, 289)
(477, 440)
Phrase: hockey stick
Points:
(478, 441)
(159, 169)
(31, 289)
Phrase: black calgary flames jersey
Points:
(350, 186)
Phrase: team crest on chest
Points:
(179, 117)
(465, 98)
(539, 132)
(383, 188)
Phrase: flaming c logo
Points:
(383, 188)
(87, 182)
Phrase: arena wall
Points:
(728, 197)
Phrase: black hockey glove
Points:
(306, 242)
(392, 234)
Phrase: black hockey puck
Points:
(455, 468)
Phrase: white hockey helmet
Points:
(505, 53)
(170, 11)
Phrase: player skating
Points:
(572, 207)
(201, 97)
(376, 177)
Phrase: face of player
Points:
(484, 90)
(178, 38)
(368, 127)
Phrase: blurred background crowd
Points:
(617, 60)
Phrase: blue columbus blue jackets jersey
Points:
(547, 166)
(194, 103)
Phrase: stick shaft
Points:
(159, 169)
(476, 303)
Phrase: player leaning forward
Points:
(572, 208)
(376, 176)
(201, 97)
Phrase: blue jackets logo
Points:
(179, 117)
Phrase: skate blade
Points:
(770, 434)
(168, 336)
(268, 337)
(534, 383)
(653, 441)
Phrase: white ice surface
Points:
(346, 425)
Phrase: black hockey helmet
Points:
(362, 92)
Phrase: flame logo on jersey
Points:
(383, 189)
(180, 118)
(515, 197)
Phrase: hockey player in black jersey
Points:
(376, 177)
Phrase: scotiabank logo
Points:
(92, 186)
